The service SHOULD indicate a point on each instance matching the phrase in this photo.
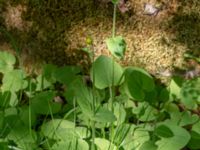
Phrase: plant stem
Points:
(114, 21)
(93, 101)
(112, 88)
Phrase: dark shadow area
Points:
(186, 28)
(50, 20)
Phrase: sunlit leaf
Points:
(7, 61)
(103, 72)
(116, 45)
(178, 141)
(104, 144)
(148, 145)
(104, 115)
(14, 81)
(76, 144)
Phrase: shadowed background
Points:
(54, 31)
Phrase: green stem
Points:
(112, 89)
(93, 101)
(114, 21)
(93, 135)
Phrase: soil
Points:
(56, 31)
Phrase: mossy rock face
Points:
(55, 31)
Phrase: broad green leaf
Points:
(7, 62)
(148, 145)
(27, 116)
(14, 81)
(163, 131)
(138, 82)
(194, 141)
(104, 74)
(104, 115)
(175, 87)
(9, 122)
(76, 144)
(116, 45)
(178, 141)
(104, 144)
(171, 108)
(48, 72)
(66, 74)
(43, 103)
(190, 93)
(164, 95)
(21, 135)
(52, 128)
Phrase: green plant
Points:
(119, 108)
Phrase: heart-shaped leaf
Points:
(180, 138)
(138, 81)
(104, 74)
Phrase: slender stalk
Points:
(93, 100)
(114, 20)
(112, 88)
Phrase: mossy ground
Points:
(55, 31)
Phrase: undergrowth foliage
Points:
(116, 108)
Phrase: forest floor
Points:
(56, 32)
